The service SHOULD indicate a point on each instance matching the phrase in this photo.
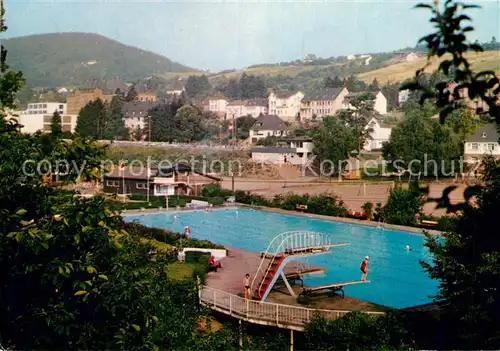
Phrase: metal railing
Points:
(290, 242)
(266, 313)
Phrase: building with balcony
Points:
(322, 102)
(240, 108)
(295, 151)
(135, 114)
(285, 105)
(483, 142)
(38, 117)
(176, 179)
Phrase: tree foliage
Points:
(403, 206)
(333, 143)
(357, 116)
(450, 38)
(198, 86)
(55, 124)
(421, 144)
(92, 120)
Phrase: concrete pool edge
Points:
(344, 219)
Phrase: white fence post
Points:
(308, 319)
(214, 299)
(277, 315)
(248, 302)
(230, 304)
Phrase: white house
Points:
(322, 102)
(216, 104)
(285, 105)
(484, 141)
(379, 102)
(240, 108)
(296, 152)
(380, 135)
(266, 126)
(38, 116)
(403, 96)
(135, 114)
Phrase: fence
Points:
(266, 313)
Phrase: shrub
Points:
(377, 215)
(215, 190)
(403, 206)
(368, 208)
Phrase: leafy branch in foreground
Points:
(449, 39)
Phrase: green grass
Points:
(180, 270)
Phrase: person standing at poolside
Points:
(364, 268)
(187, 231)
(246, 286)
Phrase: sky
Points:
(218, 35)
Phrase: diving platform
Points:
(284, 248)
(307, 291)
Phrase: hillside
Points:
(50, 60)
(488, 60)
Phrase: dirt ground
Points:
(353, 194)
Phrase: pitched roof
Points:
(236, 103)
(269, 122)
(322, 94)
(284, 94)
(274, 150)
(256, 102)
(217, 96)
(138, 108)
(486, 134)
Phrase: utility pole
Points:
(234, 145)
(149, 127)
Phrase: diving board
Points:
(337, 286)
(286, 247)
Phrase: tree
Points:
(466, 264)
(55, 124)
(421, 144)
(358, 117)
(114, 127)
(391, 93)
(450, 38)
(198, 86)
(463, 122)
(92, 120)
(333, 143)
(131, 94)
(374, 86)
(403, 205)
(189, 124)
(244, 124)
(163, 126)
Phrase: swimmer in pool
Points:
(407, 248)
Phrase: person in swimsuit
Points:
(246, 285)
(364, 268)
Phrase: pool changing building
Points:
(295, 151)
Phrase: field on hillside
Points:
(489, 60)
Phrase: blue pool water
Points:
(397, 279)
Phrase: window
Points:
(491, 147)
(474, 146)
(141, 185)
(113, 183)
(44, 106)
(484, 135)
(61, 107)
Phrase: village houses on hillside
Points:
(240, 108)
(268, 126)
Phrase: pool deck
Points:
(229, 278)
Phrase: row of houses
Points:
(291, 106)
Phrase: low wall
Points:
(217, 253)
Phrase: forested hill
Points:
(50, 60)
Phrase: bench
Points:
(308, 291)
(428, 224)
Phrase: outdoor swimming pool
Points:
(397, 279)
